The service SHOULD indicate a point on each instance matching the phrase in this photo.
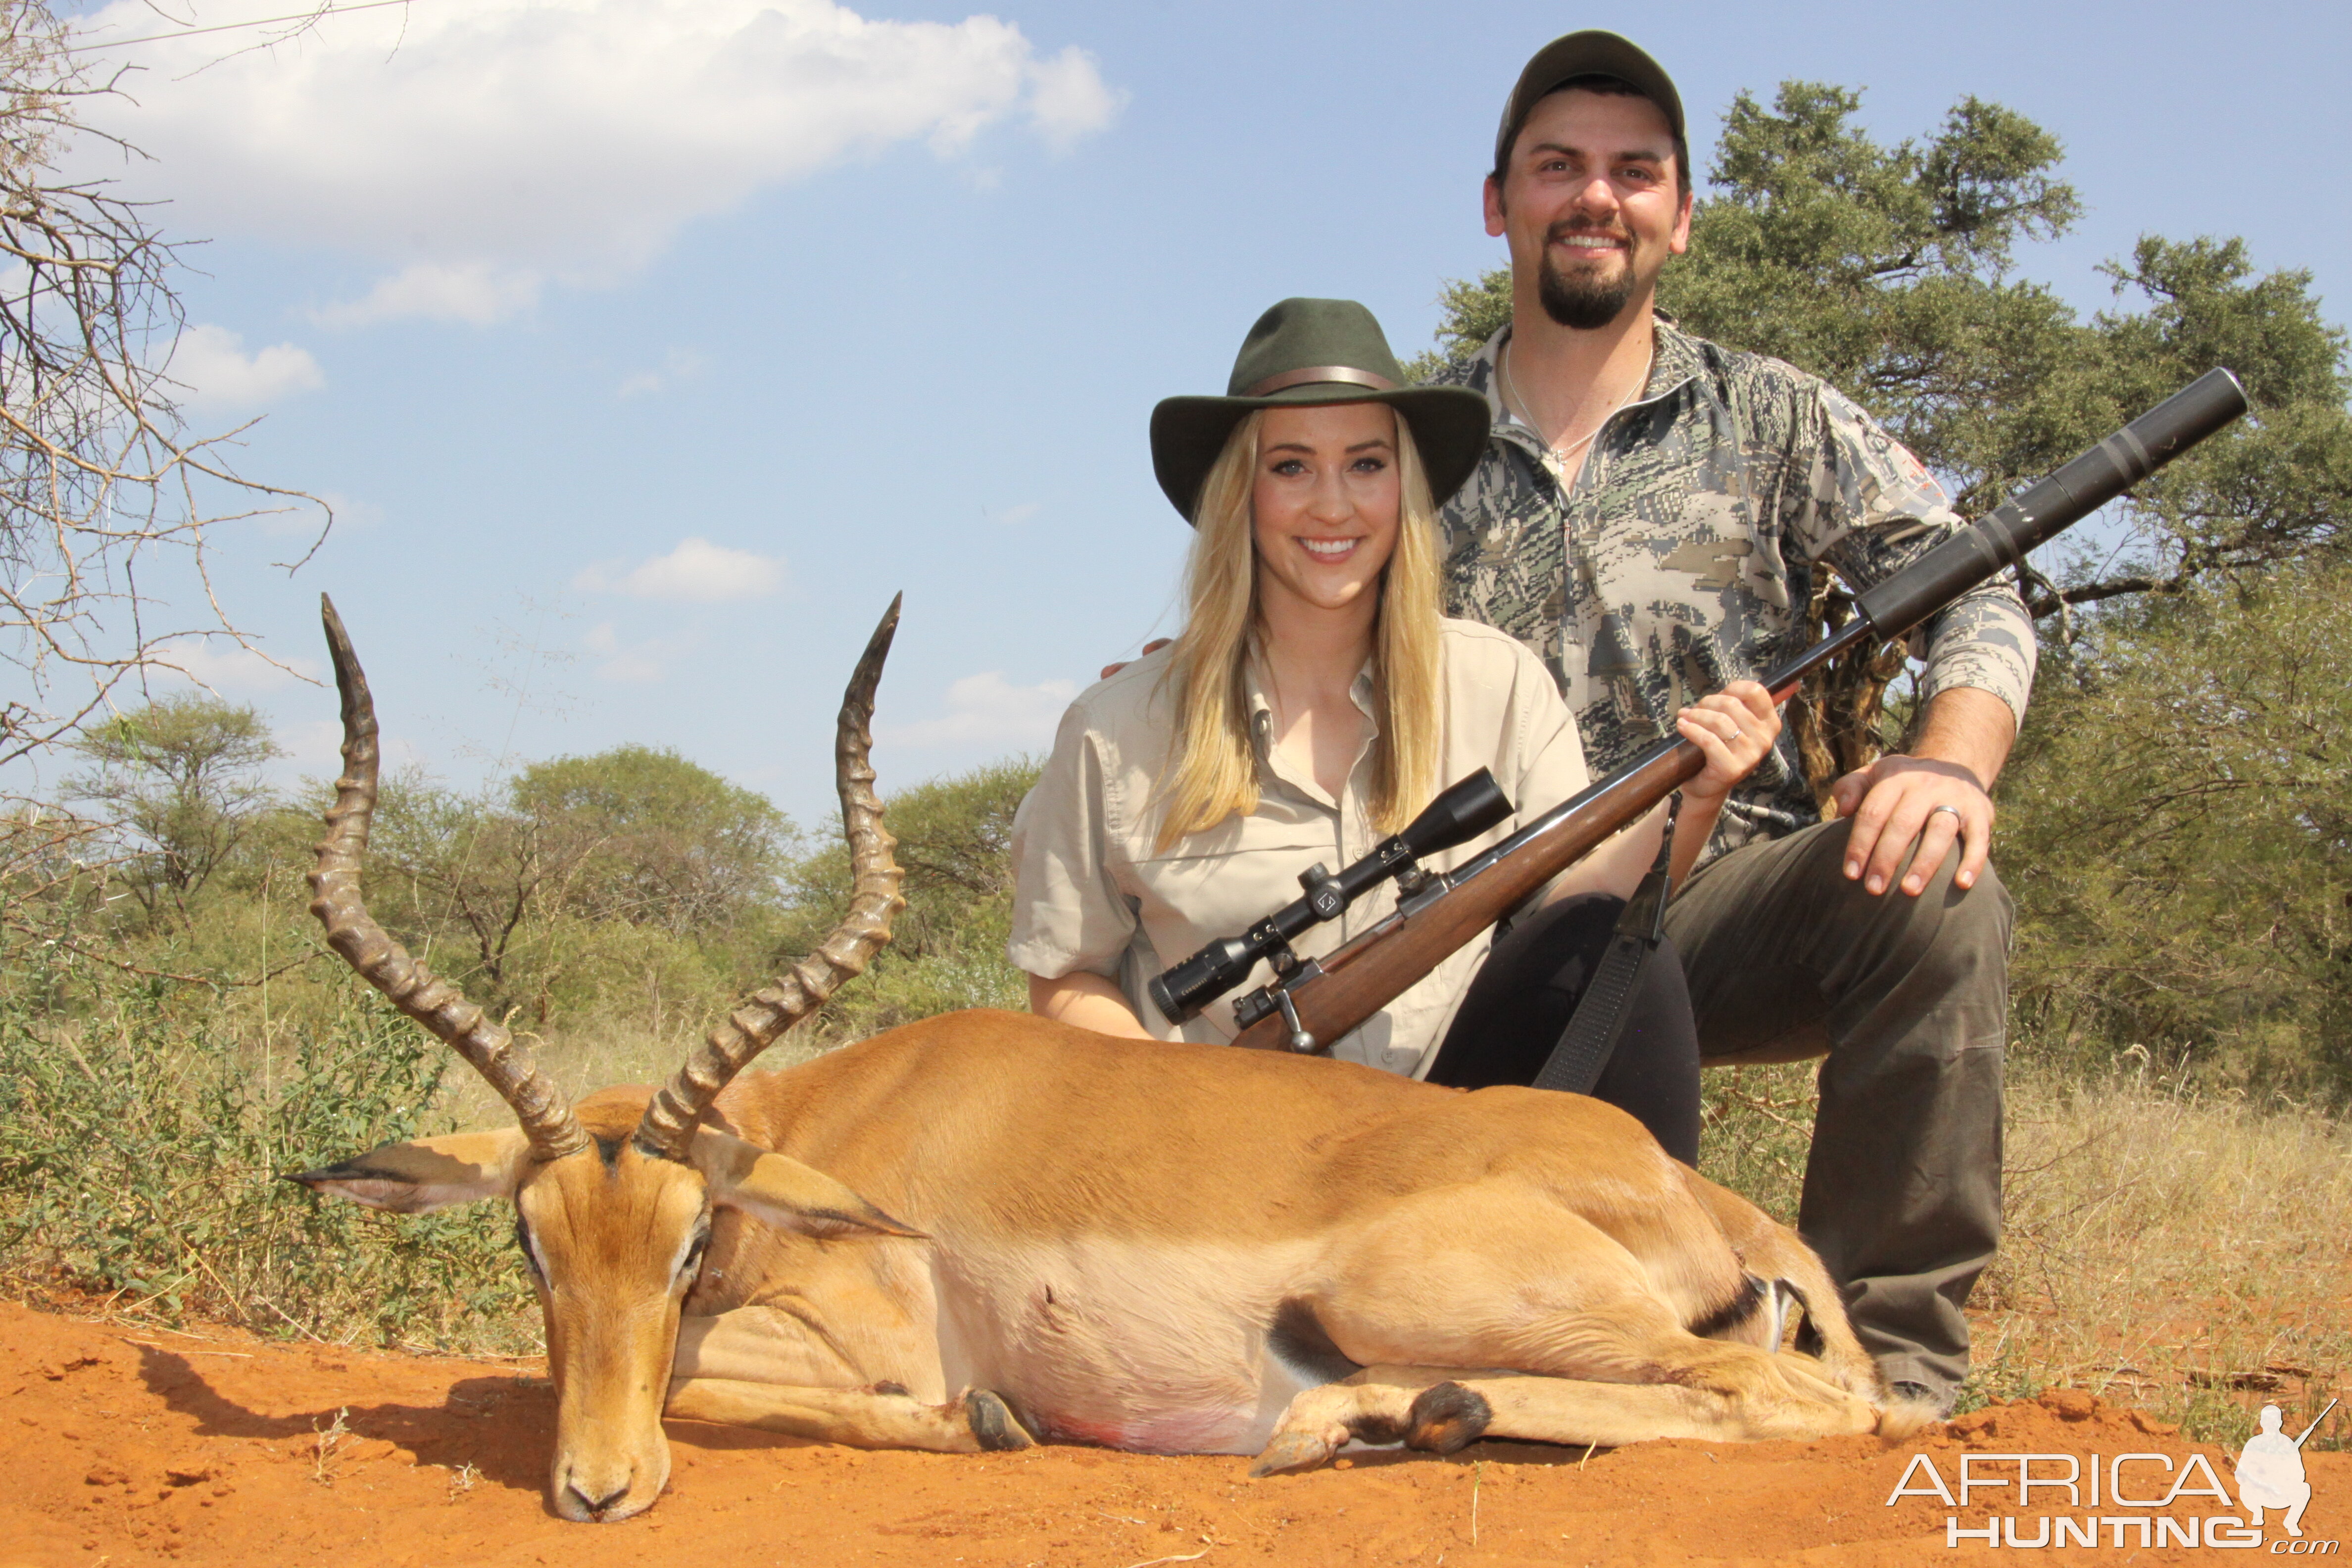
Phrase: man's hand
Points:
(1899, 799)
(1930, 797)
(1154, 645)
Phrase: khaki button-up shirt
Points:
(1093, 893)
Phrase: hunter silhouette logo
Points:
(2270, 1473)
(2133, 1502)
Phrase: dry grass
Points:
(596, 1056)
(2185, 1253)
(2182, 1252)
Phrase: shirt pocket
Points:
(1219, 883)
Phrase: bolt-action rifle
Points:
(1310, 1003)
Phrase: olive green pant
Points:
(1908, 1000)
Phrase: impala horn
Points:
(667, 1128)
(546, 1116)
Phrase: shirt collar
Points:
(1261, 706)
(1261, 725)
(1673, 364)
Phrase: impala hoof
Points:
(1292, 1452)
(1447, 1418)
(993, 1424)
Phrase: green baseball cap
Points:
(1317, 351)
(1588, 53)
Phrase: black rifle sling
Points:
(1591, 1037)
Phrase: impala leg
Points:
(884, 1416)
(1771, 1251)
(1627, 1373)
(1446, 1416)
(1741, 1394)
(1618, 1367)
(1373, 1405)
(1467, 1282)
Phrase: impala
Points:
(986, 1228)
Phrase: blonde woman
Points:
(1314, 701)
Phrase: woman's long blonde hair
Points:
(1214, 772)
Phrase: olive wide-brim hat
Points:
(1317, 351)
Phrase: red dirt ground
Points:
(127, 1445)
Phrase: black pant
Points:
(1527, 990)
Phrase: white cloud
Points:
(212, 364)
(697, 572)
(476, 293)
(987, 709)
(1069, 101)
(352, 513)
(1012, 516)
(485, 146)
(678, 365)
(314, 747)
(224, 667)
(630, 664)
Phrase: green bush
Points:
(947, 949)
(2178, 832)
(144, 1159)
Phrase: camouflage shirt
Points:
(1682, 556)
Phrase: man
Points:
(1649, 516)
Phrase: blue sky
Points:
(647, 347)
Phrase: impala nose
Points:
(595, 1508)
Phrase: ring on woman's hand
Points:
(1953, 809)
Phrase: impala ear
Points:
(409, 1178)
(783, 1192)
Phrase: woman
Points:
(1314, 701)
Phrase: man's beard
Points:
(1586, 303)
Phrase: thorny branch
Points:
(99, 477)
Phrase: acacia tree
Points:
(659, 841)
(632, 840)
(1890, 271)
(182, 775)
(947, 948)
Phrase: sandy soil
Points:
(122, 1445)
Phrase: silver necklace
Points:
(1527, 412)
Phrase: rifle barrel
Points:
(1352, 984)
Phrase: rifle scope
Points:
(1466, 809)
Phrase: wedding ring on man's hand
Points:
(1953, 809)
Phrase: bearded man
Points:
(1649, 515)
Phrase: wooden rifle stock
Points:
(1335, 993)
(1363, 976)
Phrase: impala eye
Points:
(692, 1261)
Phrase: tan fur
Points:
(1107, 1235)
